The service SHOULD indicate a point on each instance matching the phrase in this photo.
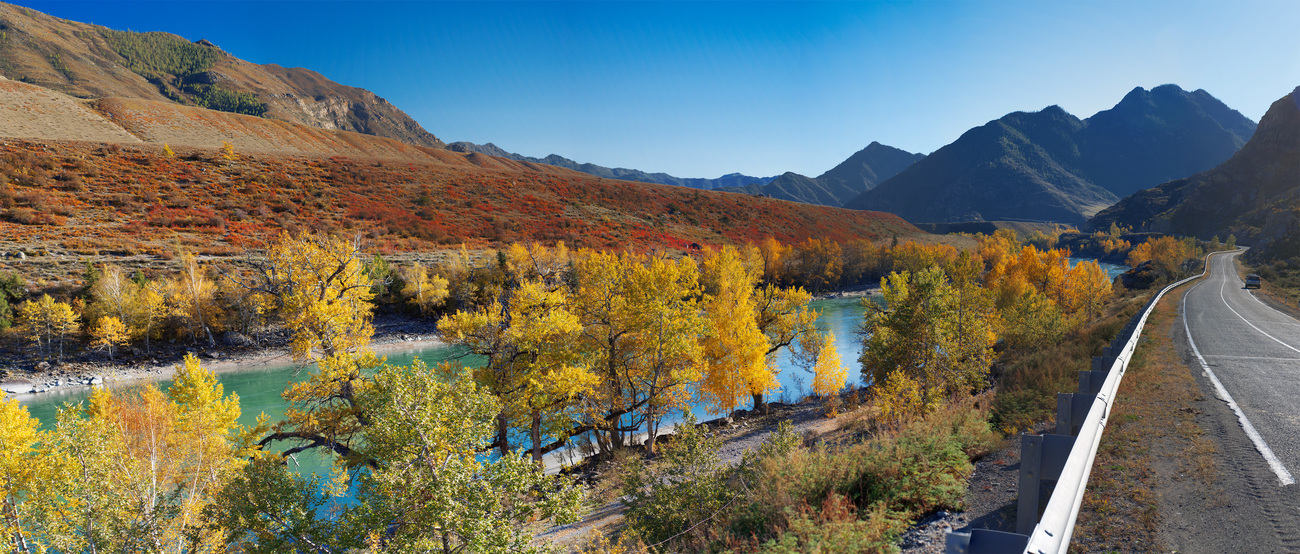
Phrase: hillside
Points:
(1252, 195)
(74, 199)
(624, 174)
(1052, 166)
(90, 61)
(32, 112)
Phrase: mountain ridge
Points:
(1052, 166)
(619, 173)
(92, 61)
(1251, 195)
(858, 173)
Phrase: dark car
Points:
(1252, 281)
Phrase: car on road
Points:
(1252, 281)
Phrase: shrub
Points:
(686, 487)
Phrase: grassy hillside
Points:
(72, 200)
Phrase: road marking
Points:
(1283, 476)
(1252, 325)
(1226, 357)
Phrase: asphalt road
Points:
(1246, 358)
(1254, 353)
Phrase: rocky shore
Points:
(233, 352)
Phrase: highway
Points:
(1251, 355)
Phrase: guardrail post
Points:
(1071, 410)
(1090, 381)
(1042, 457)
(985, 541)
(1031, 460)
(1102, 363)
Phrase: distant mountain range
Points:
(622, 174)
(92, 61)
(1052, 166)
(1252, 195)
(859, 173)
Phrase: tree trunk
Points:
(651, 433)
(536, 431)
(616, 436)
(503, 439)
(759, 405)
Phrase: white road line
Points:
(1283, 476)
(1252, 325)
(1226, 357)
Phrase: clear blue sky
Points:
(703, 89)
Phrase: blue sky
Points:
(702, 89)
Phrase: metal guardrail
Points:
(1066, 456)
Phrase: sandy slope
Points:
(29, 111)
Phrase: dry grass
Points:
(1151, 427)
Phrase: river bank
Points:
(393, 335)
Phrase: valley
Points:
(245, 307)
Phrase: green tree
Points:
(930, 331)
(426, 433)
(423, 433)
(12, 291)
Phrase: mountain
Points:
(1252, 195)
(859, 173)
(1052, 166)
(867, 168)
(619, 173)
(1155, 136)
(92, 61)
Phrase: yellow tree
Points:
(640, 333)
(1168, 255)
(829, 374)
(532, 366)
(735, 349)
(425, 290)
(82, 501)
(109, 334)
(784, 317)
(609, 327)
(115, 295)
(320, 290)
(666, 347)
(818, 264)
(153, 309)
(190, 296)
(46, 321)
(19, 470)
(536, 262)
(1087, 288)
(775, 256)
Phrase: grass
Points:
(1031, 377)
(1152, 435)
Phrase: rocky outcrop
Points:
(83, 61)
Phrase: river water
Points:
(259, 389)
